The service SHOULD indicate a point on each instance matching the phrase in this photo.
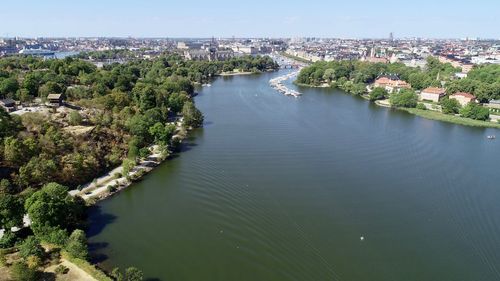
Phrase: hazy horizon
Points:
(257, 19)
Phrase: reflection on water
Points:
(276, 188)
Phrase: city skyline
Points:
(362, 19)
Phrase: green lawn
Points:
(295, 58)
(434, 115)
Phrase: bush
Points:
(421, 106)
(3, 258)
(61, 269)
(144, 152)
(33, 262)
(31, 247)
(57, 237)
(405, 98)
(75, 118)
(475, 111)
(8, 240)
(77, 245)
(377, 94)
(111, 188)
(21, 272)
(450, 106)
(133, 274)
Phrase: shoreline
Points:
(110, 183)
(277, 84)
(427, 114)
(226, 74)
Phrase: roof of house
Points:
(434, 90)
(467, 95)
(7, 101)
(389, 76)
(392, 81)
(54, 96)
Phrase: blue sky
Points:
(254, 18)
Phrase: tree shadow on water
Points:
(98, 220)
(184, 147)
(96, 255)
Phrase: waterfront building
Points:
(391, 83)
(8, 104)
(432, 94)
(463, 98)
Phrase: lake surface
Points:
(278, 188)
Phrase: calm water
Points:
(277, 188)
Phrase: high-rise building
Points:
(391, 36)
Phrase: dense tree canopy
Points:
(450, 106)
(475, 111)
(136, 100)
(405, 98)
(52, 207)
(366, 72)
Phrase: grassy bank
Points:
(235, 73)
(429, 114)
(310, 86)
(434, 115)
(84, 265)
(299, 59)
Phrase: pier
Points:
(277, 84)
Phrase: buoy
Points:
(362, 238)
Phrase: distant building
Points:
(432, 94)
(250, 50)
(494, 104)
(197, 54)
(460, 75)
(391, 83)
(376, 60)
(55, 99)
(8, 105)
(189, 45)
(222, 55)
(463, 98)
(466, 68)
(208, 55)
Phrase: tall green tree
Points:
(192, 116)
(51, 207)
(77, 245)
(405, 98)
(11, 211)
(450, 106)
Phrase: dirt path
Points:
(74, 273)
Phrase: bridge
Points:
(290, 66)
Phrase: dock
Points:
(277, 84)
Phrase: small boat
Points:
(492, 137)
